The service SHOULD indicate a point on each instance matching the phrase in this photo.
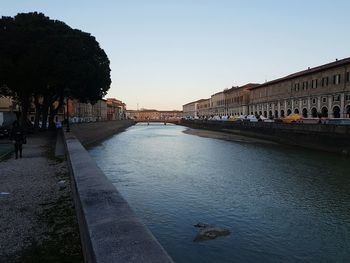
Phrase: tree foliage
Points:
(45, 60)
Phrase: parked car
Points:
(252, 118)
(4, 132)
(292, 118)
(235, 119)
(6, 120)
(224, 118)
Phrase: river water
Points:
(281, 204)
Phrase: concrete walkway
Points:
(37, 219)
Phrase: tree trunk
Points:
(38, 107)
(45, 112)
(52, 114)
(24, 112)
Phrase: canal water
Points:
(281, 204)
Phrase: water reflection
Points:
(282, 204)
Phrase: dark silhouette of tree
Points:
(43, 61)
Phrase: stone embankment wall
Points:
(332, 138)
(109, 229)
(94, 132)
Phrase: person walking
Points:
(18, 138)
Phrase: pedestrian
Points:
(18, 138)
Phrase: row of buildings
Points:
(149, 114)
(319, 91)
(102, 110)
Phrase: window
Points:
(314, 84)
(313, 101)
(304, 102)
(324, 99)
(305, 85)
(347, 76)
(336, 79)
(324, 81)
(296, 86)
(336, 97)
(347, 97)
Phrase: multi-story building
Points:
(204, 108)
(170, 115)
(99, 110)
(87, 112)
(237, 100)
(80, 111)
(191, 109)
(116, 109)
(131, 114)
(320, 91)
(217, 106)
(323, 91)
(146, 114)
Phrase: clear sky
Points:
(165, 53)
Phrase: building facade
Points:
(87, 112)
(146, 115)
(323, 91)
(99, 110)
(320, 91)
(80, 112)
(190, 110)
(217, 106)
(170, 115)
(204, 108)
(116, 109)
(237, 100)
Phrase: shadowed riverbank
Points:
(225, 136)
(94, 132)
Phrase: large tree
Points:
(44, 61)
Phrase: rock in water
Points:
(201, 225)
(208, 232)
(61, 184)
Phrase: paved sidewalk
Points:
(37, 218)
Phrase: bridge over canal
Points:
(164, 121)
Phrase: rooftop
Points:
(246, 86)
(337, 63)
(197, 101)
